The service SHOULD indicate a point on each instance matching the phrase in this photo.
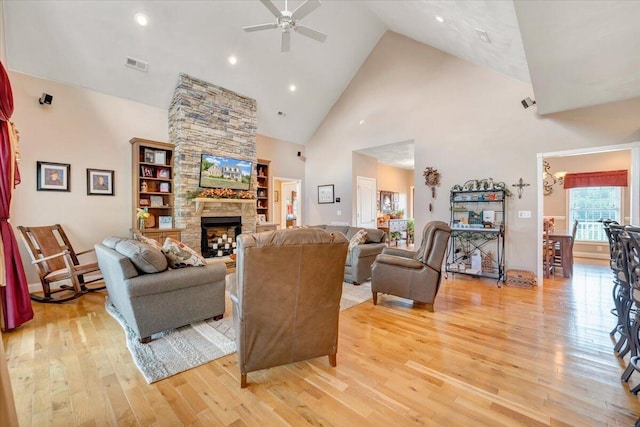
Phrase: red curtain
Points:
(596, 179)
(14, 293)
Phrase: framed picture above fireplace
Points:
(224, 172)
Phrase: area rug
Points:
(177, 350)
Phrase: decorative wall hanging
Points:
(521, 184)
(431, 179)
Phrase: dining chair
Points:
(548, 250)
(624, 303)
(57, 263)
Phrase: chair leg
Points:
(243, 380)
(375, 298)
(218, 317)
(332, 360)
(145, 340)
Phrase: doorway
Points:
(287, 209)
(633, 188)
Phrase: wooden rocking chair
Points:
(54, 258)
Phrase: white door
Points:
(366, 202)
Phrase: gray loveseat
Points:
(154, 302)
(361, 257)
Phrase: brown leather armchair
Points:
(286, 297)
(414, 275)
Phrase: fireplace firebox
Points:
(218, 237)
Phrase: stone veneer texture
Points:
(208, 119)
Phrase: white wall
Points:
(466, 121)
(85, 129)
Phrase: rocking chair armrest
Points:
(85, 252)
(47, 258)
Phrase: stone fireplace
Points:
(208, 119)
(218, 235)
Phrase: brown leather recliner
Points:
(286, 297)
(414, 275)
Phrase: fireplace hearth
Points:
(218, 236)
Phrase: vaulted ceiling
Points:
(575, 53)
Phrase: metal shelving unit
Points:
(478, 221)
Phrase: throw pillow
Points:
(359, 237)
(180, 255)
(145, 257)
(148, 241)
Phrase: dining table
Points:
(565, 239)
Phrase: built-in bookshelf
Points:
(152, 179)
(262, 203)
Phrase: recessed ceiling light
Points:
(141, 19)
(292, 88)
(483, 35)
(233, 60)
(362, 121)
(439, 19)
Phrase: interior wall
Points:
(285, 163)
(85, 129)
(396, 180)
(556, 203)
(466, 121)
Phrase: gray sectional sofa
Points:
(154, 302)
(361, 257)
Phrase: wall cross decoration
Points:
(521, 184)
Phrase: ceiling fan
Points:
(287, 21)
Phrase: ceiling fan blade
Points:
(285, 42)
(310, 32)
(260, 27)
(305, 8)
(272, 8)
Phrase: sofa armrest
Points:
(367, 249)
(400, 262)
(404, 253)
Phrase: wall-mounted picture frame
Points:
(162, 173)
(53, 176)
(99, 182)
(386, 202)
(325, 194)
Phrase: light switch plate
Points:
(524, 214)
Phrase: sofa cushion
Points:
(375, 235)
(180, 255)
(145, 257)
(359, 237)
(112, 241)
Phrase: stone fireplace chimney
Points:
(208, 119)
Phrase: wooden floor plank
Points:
(486, 356)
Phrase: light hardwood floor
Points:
(487, 356)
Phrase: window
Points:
(590, 204)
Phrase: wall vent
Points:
(137, 64)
